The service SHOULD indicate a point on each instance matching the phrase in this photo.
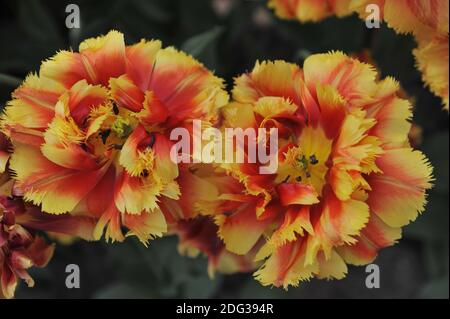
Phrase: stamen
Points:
(122, 127)
(303, 162)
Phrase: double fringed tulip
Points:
(90, 141)
(426, 20)
(20, 249)
(347, 179)
(310, 10)
(91, 131)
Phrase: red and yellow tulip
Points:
(90, 142)
(22, 248)
(347, 180)
(91, 131)
(432, 61)
(19, 250)
(427, 20)
(310, 10)
(422, 18)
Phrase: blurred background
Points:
(228, 36)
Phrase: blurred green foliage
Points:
(229, 43)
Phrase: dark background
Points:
(229, 42)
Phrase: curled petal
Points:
(141, 59)
(296, 223)
(241, 231)
(186, 88)
(432, 61)
(126, 93)
(135, 195)
(8, 282)
(146, 226)
(153, 111)
(268, 79)
(66, 68)
(286, 266)
(295, 193)
(40, 252)
(111, 219)
(57, 189)
(34, 103)
(137, 154)
(355, 81)
(79, 226)
(165, 167)
(103, 57)
(83, 98)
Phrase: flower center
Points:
(122, 127)
(306, 162)
(301, 164)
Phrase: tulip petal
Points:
(242, 230)
(103, 57)
(141, 58)
(126, 93)
(355, 81)
(277, 78)
(296, 193)
(398, 195)
(34, 103)
(146, 226)
(186, 88)
(57, 189)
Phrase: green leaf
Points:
(9, 80)
(196, 45)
